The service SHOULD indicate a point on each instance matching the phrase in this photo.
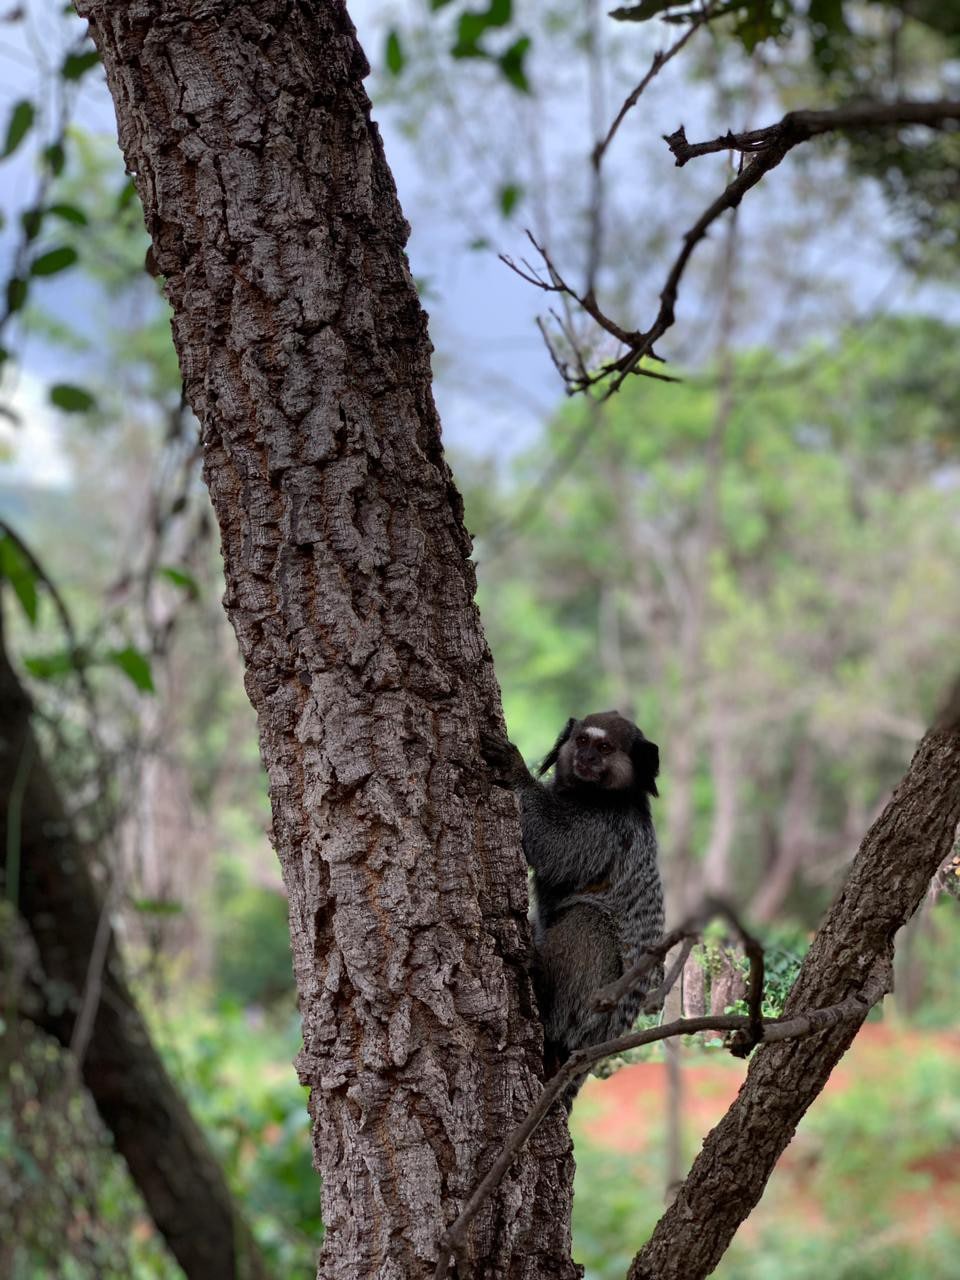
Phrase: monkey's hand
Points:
(505, 761)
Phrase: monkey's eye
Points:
(581, 739)
(605, 748)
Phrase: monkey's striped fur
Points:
(590, 839)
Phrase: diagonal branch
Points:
(854, 946)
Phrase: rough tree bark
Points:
(889, 877)
(305, 356)
(177, 1175)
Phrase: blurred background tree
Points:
(759, 564)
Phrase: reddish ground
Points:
(622, 1112)
(618, 1107)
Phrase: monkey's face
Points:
(605, 752)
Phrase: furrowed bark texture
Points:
(889, 877)
(181, 1183)
(305, 356)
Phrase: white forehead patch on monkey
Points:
(594, 732)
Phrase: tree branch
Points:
(766, 147)
(800, 126)
(855, 1006)
(853, 948)
(660, 60)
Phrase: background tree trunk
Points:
(305, 356)
(169, 1160)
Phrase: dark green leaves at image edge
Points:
(16, 569)
(134, 665)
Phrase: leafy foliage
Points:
(836, 492)
(20, 573)
(21, 120)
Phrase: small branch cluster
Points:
(761, 150)
(745, 1031)
(571, 361)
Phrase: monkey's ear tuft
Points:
(646, 764)
(550, 759)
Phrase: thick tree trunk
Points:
(177, 1175)
(890, 875)
(306, 359)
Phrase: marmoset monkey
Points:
(589, 837)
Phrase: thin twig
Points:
(766, 147)
(741, 1045)
(609, 997)
(587, 302)
(653, 1001)
(660, 60)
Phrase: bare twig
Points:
(800, 126)
(766, 147)
(660, 60)
(854, 1006)
(609, 997)
(741, 1045)
(653, 1000)
(556, 283)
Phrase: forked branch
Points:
(746, 1031)
(765, 148)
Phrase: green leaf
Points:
(395, 57)
(509, 197)
(133, 664)
(829, 34)
(55, 158)
(21, 119)
(48, 264)
(71, 399)
(77, 64)
(157, 906)
(51, 666)
(69, 213)
(31, 220)
(511, 64)
(469, 31)
(438, 4)
(758, 23)
(473, 25)
(4, 355)
(16, 294)
(20, 573)
(180, 578)
(128, 193)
